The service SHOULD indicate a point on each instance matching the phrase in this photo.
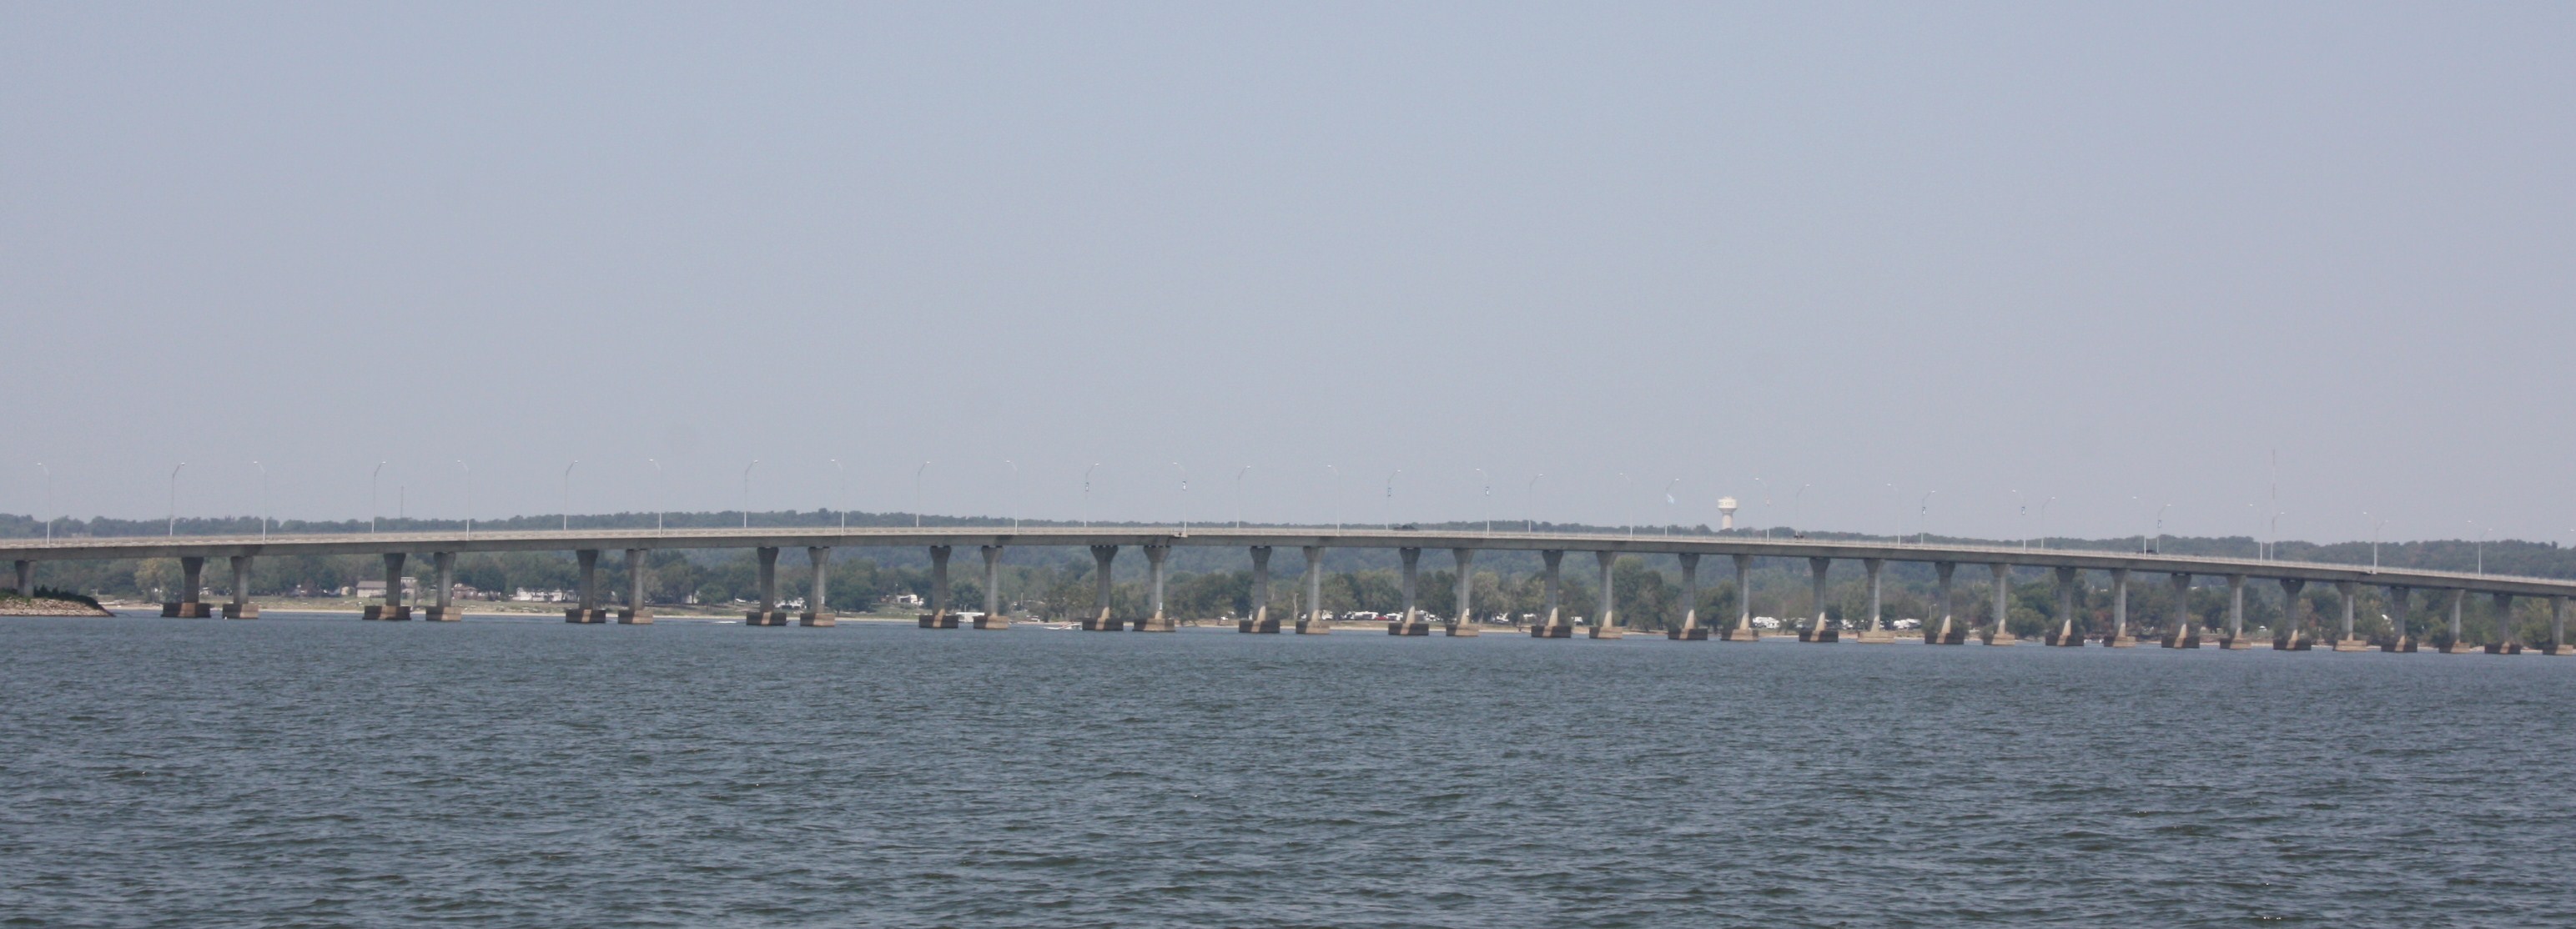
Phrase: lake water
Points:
(320, 771)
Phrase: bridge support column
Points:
(2293, 634)
(1312, 620)
(2453, 643)
(939, 616)
(1877, 632)
(2182, 630)
(818, 601)
(2068, 634)
(1155, 621)
(241, 607)
(2120, 637)
(588, 611)
(1464, 622)
(1107, 588)
(2001, 632)
(1949, 632)
(1257, 618)
(1690, 630)
(2401, 602)
(2235, 638)
(2558, 644)
(996, 614)
(1553, 625)
(1606, 625)
(26, 578)
(392, 608)
(443, 573)
(767, 613)
(636, 612)
(188, 602)
(2506, 642)
(1743, 630)
(2348, 591)
(1412, 623)
(1822, 630)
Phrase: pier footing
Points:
(1101, 624)
(579, 615)
(1551, 632)
(1400, 627)
(1741, 635)
(381, 611)
(1605, 632)
(992, 622)
(939, 620)
(2000, 637)
(822, 619)
(758, 618)
(1692, 634)
(2352, 645)
(198, 610)
(449, 614)
(1314, 627)
(1466, 630)
(1257, 626)
(1157, 625)
(634, 616)
(243, 611)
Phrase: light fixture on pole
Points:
(746, 492)
(371, 496)
(840, 494)
(2482, 548)
(567, 494)
(2375, 525)
(2160, 527)
(1015, 493)
(1335, 474)
(469, 497)
(661, 494)
(263, 500)
(49, 499)
(1797, 510)
(1923, 519)
(1488, 481)
(916, 493)
(1185, 498)
(174, 499)
(1529, 504)
(1086, 494)
(1238, 496)
(2043, 522)
(1390, 498)
(1671, 502)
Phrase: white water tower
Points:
(1725, 513)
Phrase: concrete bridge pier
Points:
(1950, 632)
(1743, 631)
(2001, 632)
(1464, 623)
(1154, 620)
(1313, 622)
(2235, 638)
(2120, 637)
(939, 616)
(1821, 630)
(2401, 602)
(1105, 590)
(1552, 624)
(2558, 644)
(241, 607)
(1690, 630)
(2067, 634)
(1877, 633)
(190, 602)
(26, 578)
(767, 613)
(2293, 634)
(1412, 623)
(634, 613)
(443, 574)
(392, 608)
(2452, 644)
(818, 601)
(995, 616)
(2505, 642)
(2183, 630)
(2348, 591)
(1605, 625)
(588, 611)
(1260, 620)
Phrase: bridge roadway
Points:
(1156, 542)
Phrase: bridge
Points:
(2179, 631)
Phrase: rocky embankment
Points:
(14, 605)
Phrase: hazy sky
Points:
(2084, 251)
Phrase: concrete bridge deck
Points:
(1156, 542)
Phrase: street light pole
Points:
(1923, 518)
(263, 500)
(1390, 499)
(1797, 508)
(1670, 502)
(1015, 494)
(2043, 522)
(2375, 525)
(2482, 548)
(1529, 503)
(1238, 496)
(1765, 490)
(916, 493)
(1086, 494)
(174, 499)
(2021, 518)
(49, 499)
(1185, 498)
(661, 494)
(746, 492)
(2160, 526)
(469, 497)
(841, 495)
(1488, 481)
(1335, 473)
(371, 496)
(567, 494)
